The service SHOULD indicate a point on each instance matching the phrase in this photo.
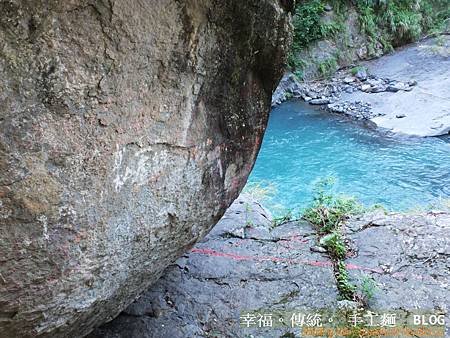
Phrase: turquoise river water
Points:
(303, 145)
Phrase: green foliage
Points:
(396, 22)
(328, 210)
(346, 289)
(309, 27)
(368, 288)
(334, 244)
(328, 66)
(390, 23)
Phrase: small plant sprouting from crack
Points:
(346, 289)
(368, 288)
(327, 213)
(248, 210)
(279, 220)
(334, 244)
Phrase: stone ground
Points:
(405, 92)
(247, 264)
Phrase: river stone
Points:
(127, 129)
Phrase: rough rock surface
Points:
(241, 265)
(408, 255)
(127, 129)
(245, 264)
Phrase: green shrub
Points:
(396, 22)
(309, 27)
(328, 210)
(328, 66)
(334, 244)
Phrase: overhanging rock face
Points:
(127, 128)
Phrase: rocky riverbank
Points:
(247, 263)
(405, 92)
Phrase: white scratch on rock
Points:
(43, 220)
(138, 167)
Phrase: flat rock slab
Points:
(244, 264)
(426, 109)
(241, 265)
(408, 257)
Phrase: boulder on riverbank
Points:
(127, 129)
(246, 264)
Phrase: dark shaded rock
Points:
(289, 84)
(377, 88)
(127, 128)
(203, 293)
(397, 86)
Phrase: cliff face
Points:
(127, 128)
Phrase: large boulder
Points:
(127, 129)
